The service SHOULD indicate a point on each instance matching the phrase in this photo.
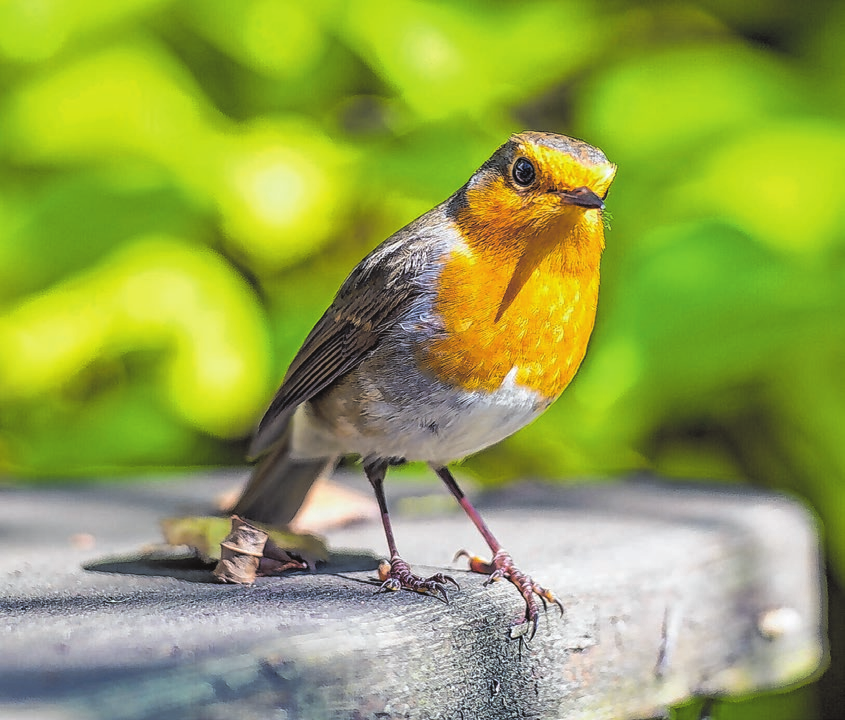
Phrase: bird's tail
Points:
(279, 484)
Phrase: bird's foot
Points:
(397, 574)
(501, 567)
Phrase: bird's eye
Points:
(523, 172)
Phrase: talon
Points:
(549, 595)
(440, 579)
(443, 579)
(389, 585)
(502, 567)
(397, 574)
(442, 589)
(494, 576)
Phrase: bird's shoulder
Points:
(403, 262)
(370, 302)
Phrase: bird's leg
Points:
(501, 566)
(397, 574)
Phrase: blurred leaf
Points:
(41, 245)
(647, 108)
(35, 31)
(796, 704)
(155, 294)
(127, 102)
(711, 305)
(780, 183)
(469, 57)
(285, 190)
(116, 425)
(443, 155)
(822, 49)
(281, 39)
(204, 534)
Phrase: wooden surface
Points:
(670, 591)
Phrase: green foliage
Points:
(184, 184)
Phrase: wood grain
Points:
(671, 591)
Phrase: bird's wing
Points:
(365, 308)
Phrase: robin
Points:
(454, 333)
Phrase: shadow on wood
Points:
(190, 568)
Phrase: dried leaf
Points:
(271, 566)
(247, 551)
(240, 553)
(205, 534)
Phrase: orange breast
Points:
(531, 308)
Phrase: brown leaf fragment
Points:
(240, 553)
(277, 560)
(244, 549)
(272, 566)
(205, 535)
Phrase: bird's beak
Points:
(582, 197)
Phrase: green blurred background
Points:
(184, 185)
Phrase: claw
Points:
(502, 567)
(494, 576)
(389, 585)
(397, 574)
(441, 578)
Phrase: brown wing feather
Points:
(365, 308)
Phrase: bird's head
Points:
(535, 183)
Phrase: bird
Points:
(452, 334)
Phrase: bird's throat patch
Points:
(533, 311)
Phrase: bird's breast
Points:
(530, 315)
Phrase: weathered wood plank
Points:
(670, 591)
